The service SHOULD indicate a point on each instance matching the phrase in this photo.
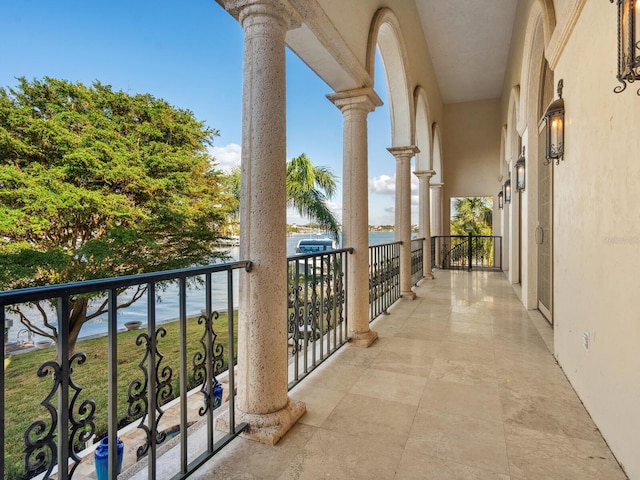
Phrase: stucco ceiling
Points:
(469, 45)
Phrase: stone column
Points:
(355, 105)
(424, 177)
(436, 215)
(262, 394)
(403, 215)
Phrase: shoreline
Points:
(17, 348)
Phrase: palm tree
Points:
(309, 188)
(472, 215)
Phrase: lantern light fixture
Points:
(500, 200)
(554, 118)
(628, 43)
(507, 191)
(521, 172)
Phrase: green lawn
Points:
(24, 390)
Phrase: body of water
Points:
(167, 304)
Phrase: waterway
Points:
(167, 307)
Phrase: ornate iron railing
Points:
(417, 260)
(67, 418)
(317, 326)
(384, 277)
(317, 309)
(466, 252)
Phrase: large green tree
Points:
(97, 183)
(309, 188)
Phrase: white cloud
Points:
(386, 184)
(227, 157)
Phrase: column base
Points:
(429, 276)
(364, 340)
(410, 295)
(266, 428)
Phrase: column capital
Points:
(281, 10)
(359, 98)
(403, 152)
(437, 185)
(427, 174)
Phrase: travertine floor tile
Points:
(320, 402)
(397, 387)
(420, 466)
(466, 440)
(249, 459)
(561, 415)
(480, 353)
(534, 454)
(337, 377)
(462, 372)
(359, 415)
(405, 363)
(422, 331)
(413, 346)
(477, 401)
(341, 456)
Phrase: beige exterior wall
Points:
(471, 152)
(597, 222)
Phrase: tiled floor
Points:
(459, 385)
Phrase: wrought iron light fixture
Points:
(520, 172)
(500, 200)
(507, 191)
(628, 43)
(554, 118)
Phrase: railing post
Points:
(2, 405)
(470, 250)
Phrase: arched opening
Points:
(537, 279)
(386, 35)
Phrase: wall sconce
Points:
(554, 117)
(628, 47)
(500, 200)
(520, 172)
(507, 191)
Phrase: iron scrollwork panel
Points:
(212, 355)
(138, 390)
(40, 452)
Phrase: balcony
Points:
(461, 383)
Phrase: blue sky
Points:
(190, 54)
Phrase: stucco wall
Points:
(471, 152)
(597, 239)
(596, 221)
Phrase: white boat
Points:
(315, 245)
(314, 265)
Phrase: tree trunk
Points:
(77, 317)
